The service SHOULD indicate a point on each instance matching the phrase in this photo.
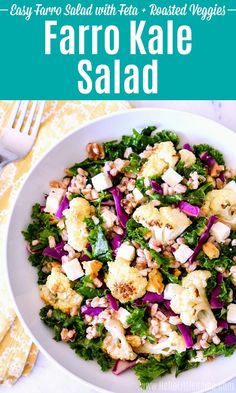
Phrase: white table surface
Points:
(46, 376)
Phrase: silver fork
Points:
(21, 130)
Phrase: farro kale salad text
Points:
(135, 250)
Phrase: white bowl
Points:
(22, 276)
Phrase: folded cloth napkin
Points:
(17, 352)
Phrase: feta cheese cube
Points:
(138, 196)
(101, 182)
(220, 231)
(122, 315)
(231, 313)
(171, 177)
(231, 186)
(54, 199)
(183, 253)
(73, 269)
(126, 251)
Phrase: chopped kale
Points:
(223, 262)
(152, 369)
(93, 167)
(197, 197)
(138, 232)
(183, 361)
(193, 232)
(85, 288)
(41, 228)
(220, 349)
(87, 349)
(225, 289)
(196, 167)
(138, 321)
(202, 148)
(135, 163)
(100, 247)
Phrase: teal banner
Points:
(133, 50)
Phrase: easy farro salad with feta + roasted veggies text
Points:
(135, 249)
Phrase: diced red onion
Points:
(121, 214)
(116, 243)
(186, 333)
(215, 303)
(184, 329)
(208, 159)
(152, 297)
(190, 210)
(222, 323)
(203, 238)
(84, 258)
(156, 187)
(187, 146)
(222, 177)
(63, 206)
(93, 311)
(122, 365)
(113, 302)
(230, 339)
(56, 252)
(138, 302)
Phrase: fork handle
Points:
(6, 157)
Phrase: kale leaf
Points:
(84, 288)
(58, 320)
(100, 247)
(40, 228)
(223, 262)
(137, 233)
(220, 349)
(135, 163)
(151, 369)
(93, 167)
(38, 261)
(87, 349)
(182, 361)
(138, 321)
(198, 167)
(197, 197)
(194, 231)
(199, 149)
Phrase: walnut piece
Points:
(95, 151)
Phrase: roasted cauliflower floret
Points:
(166, 223)
(174, 342)
(190, 301)
(75, 225)
(92, 268)
(115, 343)
(58, 293)
(147, 215)
(222, 203)
(163, 156)
(187, 157)
(125, 282)
(155, 281)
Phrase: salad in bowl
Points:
(135, 249)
